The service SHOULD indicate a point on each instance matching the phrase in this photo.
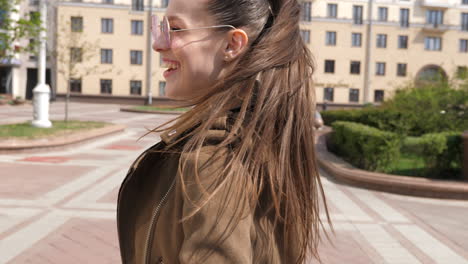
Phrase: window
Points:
(329, 66)
(380, 68)
(306, 12)
(401, 69)
(32, 56)
(75, 55)
(328, 94)
(106, 56)
(136, 57)
(164, 3)
(402, 42)
(379, 95)
(356, 39)
(34, 2)
(404, 17)
(76, 24)
(75, 85)
(357, 15)
(135, 87)
(162, 88)
(107, 1)
(33, 15)
(330, 38)
(463, 45)
(434, 17)
(137, 5)
(355, 67)
(381, 40)
(107, 25)
(137, 27)
(464, 21)
(383, 14)
(464, 2)
(432, 43)
(305, 34)
(106, 86)
(354, 95)
(462, 72)
(332, 10)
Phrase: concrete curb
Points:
(15, 146)
(346, 173)
(125, 109)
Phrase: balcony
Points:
(435, 28)
(435, 4)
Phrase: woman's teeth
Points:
(172, 65)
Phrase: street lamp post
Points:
(367, 73)
(149, 56)
(42, 90)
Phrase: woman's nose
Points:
(159, 45)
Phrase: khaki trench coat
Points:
(151, 205)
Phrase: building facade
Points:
(361, 60)
(19, 76)
(100, 48)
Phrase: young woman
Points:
(234, 180)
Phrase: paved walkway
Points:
(59, 207)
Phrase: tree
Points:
(12, 31)
(74, 55)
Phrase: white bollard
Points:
(41, 106)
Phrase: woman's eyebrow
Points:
(175, 18)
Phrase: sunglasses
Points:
(161, 32)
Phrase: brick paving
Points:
(59, 206)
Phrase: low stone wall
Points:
(346, 173)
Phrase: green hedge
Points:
(364, 146)
(413, 111)
(380, 118)
(442, 152)
(331, 116)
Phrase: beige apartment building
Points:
(360, 60)
(102, 47)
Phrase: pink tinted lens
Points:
(154, 27)
(160, 32)
(165, 28)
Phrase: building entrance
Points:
(32, 82)
(5, 80)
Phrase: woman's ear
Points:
(237, 41)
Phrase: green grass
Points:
(154, 108)
(409, 165)
(26, 131)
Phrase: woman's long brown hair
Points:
(272, 156)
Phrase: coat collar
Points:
(217, 132)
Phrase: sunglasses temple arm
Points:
(220, 26)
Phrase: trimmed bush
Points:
(364, 146)
(442, 152)
(380, 118)
(415, 111)
(331, 116)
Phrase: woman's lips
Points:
(169, 72)
(172, 65)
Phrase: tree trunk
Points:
(67, 100)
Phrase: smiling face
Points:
(195, 59)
